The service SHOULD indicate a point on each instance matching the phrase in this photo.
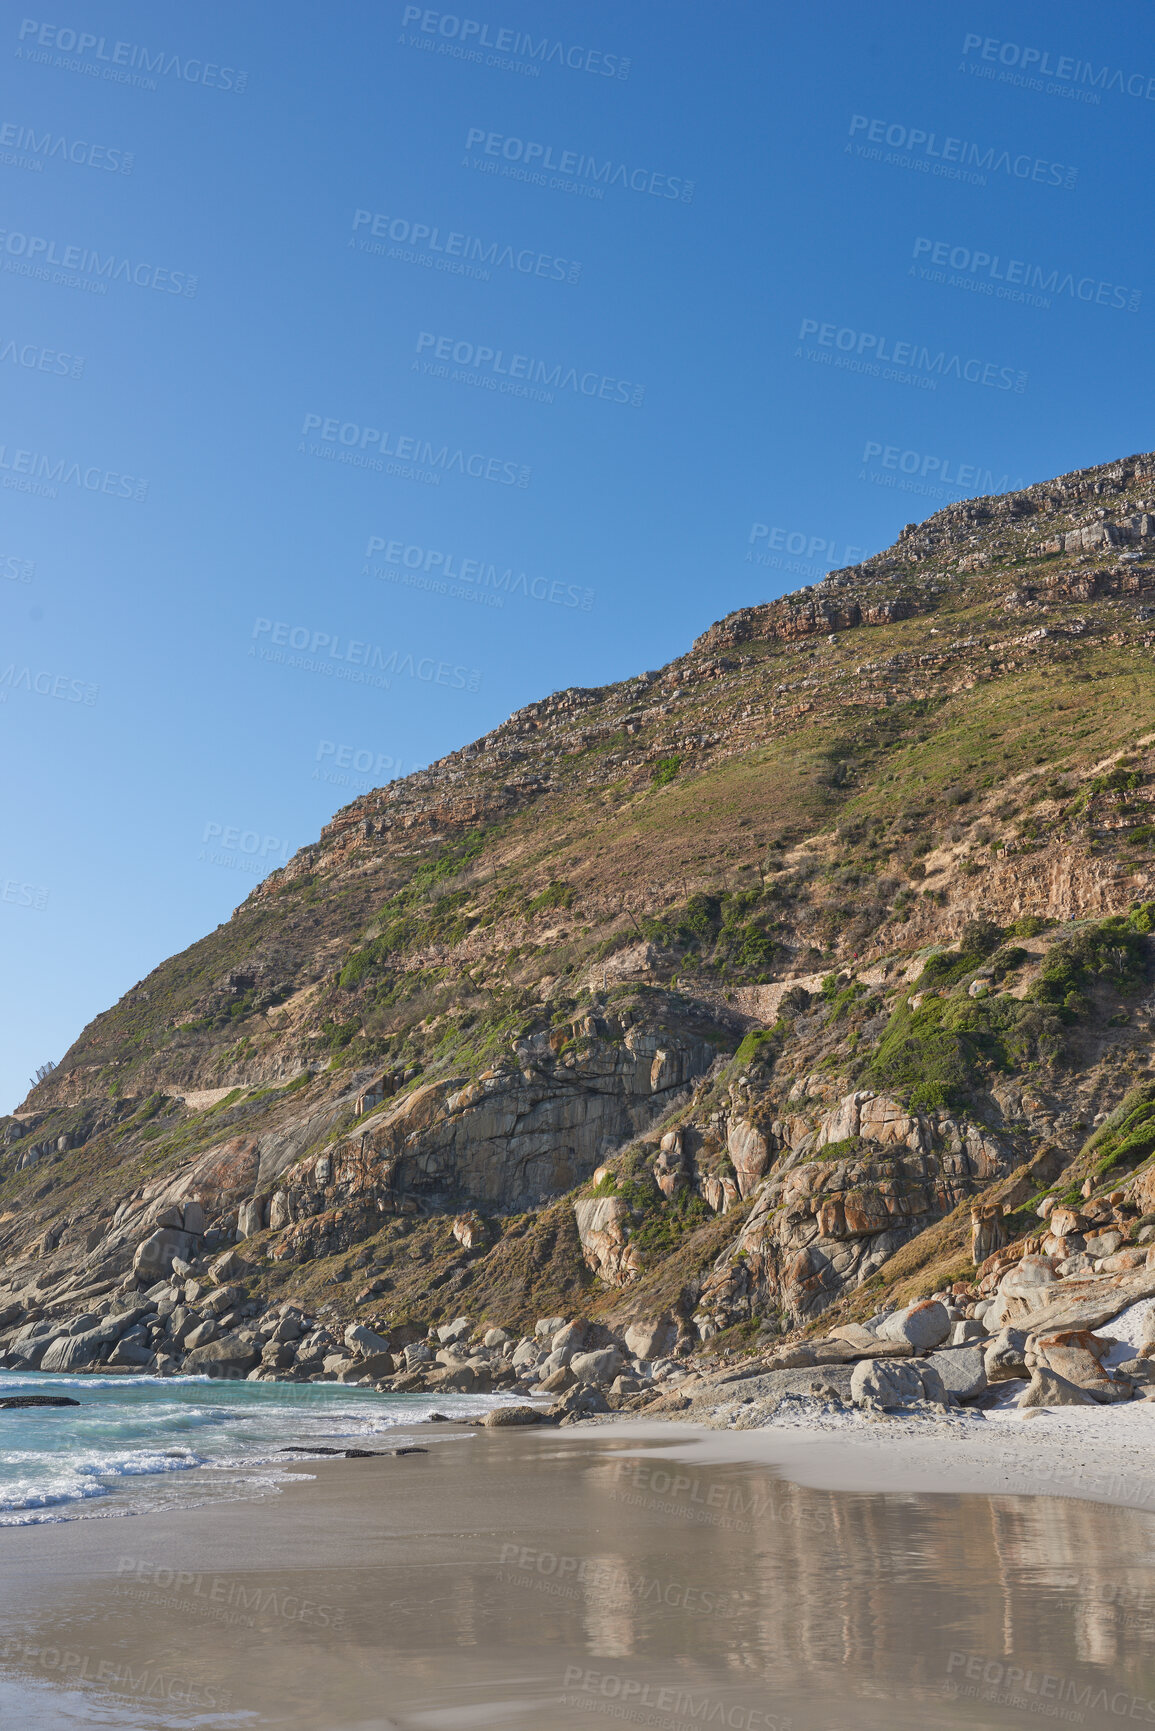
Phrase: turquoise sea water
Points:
(135, 1443)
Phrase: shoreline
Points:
(486, 1580)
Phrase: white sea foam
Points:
(137, 1443)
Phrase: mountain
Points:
(738, 993)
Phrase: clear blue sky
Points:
(348, 254)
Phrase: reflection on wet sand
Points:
(538, 1580)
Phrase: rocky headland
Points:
(775, 1026)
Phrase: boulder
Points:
(921, 1325)
(1075, 1355)
(450, 1332)
(962, 1370)
(374, 1364)
(1005, 1356)
(558, 1380)
(230, 1265)
(458, 1379)
(200, 1334)
(889, 1383)
(251, 1216)
(601, 1366)
(547, 1326)
(651, 1339)
(1022, 1291)
(194, 1218)
(227, 1357)
(154, 1256)
(496, 1337)
(131, 1352)
(1103, 1243)
(501, 1416)
(364, 1341)
(418, 1352)
(571, 1337)
(1049, 1389)
(72, 1352)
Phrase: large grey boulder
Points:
(653, 1339)
(451, 1332)
(72, 1352)
(962, 1370)
(364, 1342)
(200, 1334)
(921, 1325)
(1047, 1388)
(130, 1352)
(547, 1326)
(501, 1416)
(153, 1258)
(570, 1338)
(1005, 1357)
(599, 1367)
(251, 1216)
(896, 1383)
(79, 1351)
(227, 1357)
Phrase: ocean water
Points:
(140, 1443)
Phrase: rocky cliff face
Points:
(728, 993)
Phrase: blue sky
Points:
(370, 371)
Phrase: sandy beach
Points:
(658, 1574)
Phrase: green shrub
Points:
(555, 895)
(665, 770)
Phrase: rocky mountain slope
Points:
(785, 982)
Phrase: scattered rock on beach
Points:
(920, 1325)
(896, 1382)
(501, 1416)
(1047, 1388)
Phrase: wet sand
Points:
(647, 1574)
